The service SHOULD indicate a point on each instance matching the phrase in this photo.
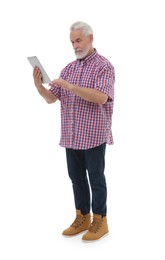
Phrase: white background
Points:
(36, 200)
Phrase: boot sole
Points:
(95, 240)
(75, 234)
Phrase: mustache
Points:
(78, 49)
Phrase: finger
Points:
(54, 81)
(35, 71)
(38, 73)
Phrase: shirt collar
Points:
(88, 58)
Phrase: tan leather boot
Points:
(81, 223)
(98, 228)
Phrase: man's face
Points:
(81, 43)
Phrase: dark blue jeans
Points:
(91, 161)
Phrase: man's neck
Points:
(89, 53)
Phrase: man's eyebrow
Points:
(77, 39)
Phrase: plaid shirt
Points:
(85, 124)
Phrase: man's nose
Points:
(75, 45)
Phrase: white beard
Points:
(83, 53)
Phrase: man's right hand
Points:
(44, 92)
(37, 75)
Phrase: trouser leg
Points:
(78, 175)
(95, 164)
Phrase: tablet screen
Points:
(34, 61)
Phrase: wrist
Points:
(39, 86)
(71, 87)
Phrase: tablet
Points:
(34, 61)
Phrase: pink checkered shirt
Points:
(85, 124)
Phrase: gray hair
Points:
(84, 27)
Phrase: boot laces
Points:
(77, 222)
(96, 224)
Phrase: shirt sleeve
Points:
(105, 81)
(55, 91)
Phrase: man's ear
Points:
(91, 38)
